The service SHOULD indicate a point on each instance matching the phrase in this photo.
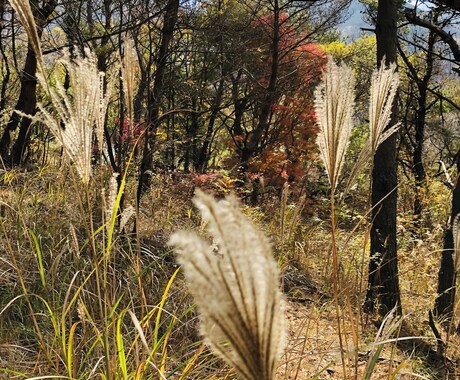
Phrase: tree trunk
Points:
(6, 67)
(418, 167)
(170, 19)
(26, 103)
(265, 108)
(383, 283)
(444, 303)
(27, 100)
(202, 160)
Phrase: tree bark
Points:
(444, 303)
(202, 160)
(383, 282)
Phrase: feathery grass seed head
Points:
(128, 73)
(26, 17)
(81, 108)
(334, 101)
(384, 85)
(237, 292)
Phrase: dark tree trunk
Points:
(202, 160)
(27, 100)
(239, 104)
(170, 19)
(418, 167)
(26, 104)
(6, 67)
(444, 303)
(144, 82)
(191, 130)
(383, 284)
(267, 102)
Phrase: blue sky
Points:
(351, 28)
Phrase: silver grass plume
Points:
(26, 17)
(128, 74)
(384, 85)
(110, 200)
(236, 291)
(81, 108)
(456, 235)
(334, 101)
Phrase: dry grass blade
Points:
(334, 101)
(237, 290)
(81, 109)
(24, 11)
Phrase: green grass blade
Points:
(160, 307)
(70, 349)
(121, 346)
(38, 250)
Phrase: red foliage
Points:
(130, 132)
(291, 138)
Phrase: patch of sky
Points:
(355, 25)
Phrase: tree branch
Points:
(452, 4)
(445, 36)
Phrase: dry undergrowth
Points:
(48, 207)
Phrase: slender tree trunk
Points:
(418, 167)
(201, 163)
(445, 300)
(383, 283)
(26, 104)
(265, 108)
(6, 66)
(170, 19)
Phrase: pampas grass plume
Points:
(334, 101)
(81, 109)
(384, 85)
(128, 73)
(237, 291)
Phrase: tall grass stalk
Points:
(389, 325)
(334, 108)
(26, 17)
(334, 102)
